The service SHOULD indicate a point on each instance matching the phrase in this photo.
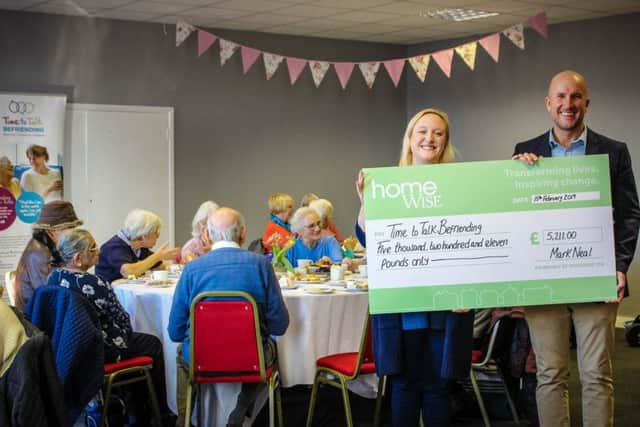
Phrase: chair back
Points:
(226, 343)
(486, 356)
(365, 351)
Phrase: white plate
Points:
(160, 284)
(318, 290)
(288, 288)
(128, 282)
(336, 283)
(356, 290)
(309, 282)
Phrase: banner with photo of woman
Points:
(31, 166)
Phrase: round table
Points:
(320, 324)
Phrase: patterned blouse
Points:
(114, 320)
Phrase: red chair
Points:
(130, 371)
(229, 321)
(336, 369)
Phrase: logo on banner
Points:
(24, 124)
(416, 195)
(21, 107)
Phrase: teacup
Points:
(303, 263)
(352, 284)
(362, 269)
(160, 275)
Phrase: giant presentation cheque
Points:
(489, 234)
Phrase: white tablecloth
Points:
(320, 324)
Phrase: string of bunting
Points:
(368, 69)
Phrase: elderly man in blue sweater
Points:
(227, 267)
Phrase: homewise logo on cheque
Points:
(418, 195)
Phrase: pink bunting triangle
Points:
(443, 58)
(492, 45)
(295, 67)
(344, 70)
(249, 56)
(539, 23)
(394, 68)
(205, 40)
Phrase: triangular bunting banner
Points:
(249, 56)
(394, 68)
(468, 53)
(295, 66)
(420, 64)
(227, 49)
(344, 70)
(492, 45)
(318, 71)
(443, 59)
(539, 23)
(369, 69)
(516, 35)
(271, 63)
(183, 30)
(205, 40)
(369, 72)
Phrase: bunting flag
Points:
(344, 70)
(227, 49)
(443, 59)
(468, 53)
(295, 66)
(183, 31)
(539, 23)
(369, 71)
(420, 64)
(492, 45)
(205, 40)
(271, 63)
(318, 71)
(394, 68)
(249, 56)
(516, 35)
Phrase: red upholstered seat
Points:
(345, 363)
(477, 356)
(110, 368)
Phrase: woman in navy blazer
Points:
(421, 353)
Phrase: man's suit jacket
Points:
(626, 213)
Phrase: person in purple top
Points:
(128, 253)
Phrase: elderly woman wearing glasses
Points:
(79, 252)
(128, 253)
(311, 244)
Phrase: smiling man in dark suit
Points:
(567, 102)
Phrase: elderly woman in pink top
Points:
(200, 243)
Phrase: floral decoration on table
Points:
(279, 260)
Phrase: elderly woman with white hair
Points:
(128, 253)
(310, 243)
(324, 209)
(200, 243)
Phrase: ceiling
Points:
(387, 21)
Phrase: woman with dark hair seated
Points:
(40, 254)
(78, 252)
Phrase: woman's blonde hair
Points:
(279, 202)
(406, 156)
(324, 209)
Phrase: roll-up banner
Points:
(27, 182)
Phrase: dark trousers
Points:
(141, 344)
(420, 387)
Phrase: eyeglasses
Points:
(313, 225)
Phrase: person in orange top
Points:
(278, 229)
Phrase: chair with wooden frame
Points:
(486, 377)
(228, 320)
(337, 369)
